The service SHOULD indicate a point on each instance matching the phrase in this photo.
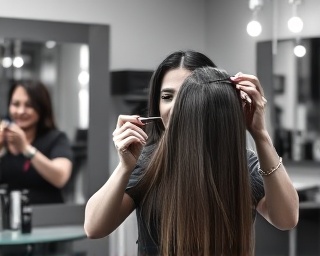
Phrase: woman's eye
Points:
(166, 97)
(15, 104)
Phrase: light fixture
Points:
(18, 61)
(254, 27)
(295, 23)
(50, 44)
(299, 50)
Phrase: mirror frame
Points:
(97, 37)
(264, 64)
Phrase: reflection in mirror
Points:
(297, 100)
(64, 69)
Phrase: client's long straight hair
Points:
(197, 187)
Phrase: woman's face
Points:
(21, 110)
(171, 84)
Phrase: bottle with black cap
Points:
(4, 211)
(26, 212)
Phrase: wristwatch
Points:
(31, 151)
(3, 151)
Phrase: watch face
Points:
(316, 150)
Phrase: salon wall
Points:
(142, 31)
(143, 28)
(228, 42)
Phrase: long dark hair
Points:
(40, 101)
(189, 60)
(197, 186)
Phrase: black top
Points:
(147, 244)
(18, 173)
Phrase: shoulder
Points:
(54, 143)
(53, 135)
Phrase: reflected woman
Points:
(34, 154)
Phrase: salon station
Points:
(97, 57)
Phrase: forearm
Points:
(281, 203)
(107, 208)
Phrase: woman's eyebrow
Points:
(170, 90)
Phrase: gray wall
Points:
(142, 31)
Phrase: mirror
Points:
(64, 70)
(295, 92)
(62, 67)
(76, 51)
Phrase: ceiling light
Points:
(7, 62)
(254, 27)
(18, 62)
(299, 50)
(295, 23)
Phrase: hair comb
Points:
(147, 120)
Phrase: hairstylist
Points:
(35, 155)
(277, 199)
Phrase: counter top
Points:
(42, 235)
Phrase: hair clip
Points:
(147, 120)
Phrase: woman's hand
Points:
(16, 139)
(254, 102)
(129, 139)
(3, 126)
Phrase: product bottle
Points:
(3, 194)
(15, 209)
(5, 215)
(26, 212)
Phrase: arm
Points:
(280, 205)
(56, 171)
(110, 205)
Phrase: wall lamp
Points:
(295, 23)
(254, 27)
(299, 50)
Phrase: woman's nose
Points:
(21, 109)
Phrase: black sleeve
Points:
(137, 173)
(255, 177)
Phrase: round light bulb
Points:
(299, 51)
(295, 24)
(254, 28)
(7, 62)
(18, 62)
(50, 44)
(83, 77)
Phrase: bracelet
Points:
(30, 152)
(273, 169)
